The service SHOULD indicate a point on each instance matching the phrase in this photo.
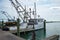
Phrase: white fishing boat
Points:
(24, 15)
(38, 24)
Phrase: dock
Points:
(54, 37)
(5, 35)
(23, 30)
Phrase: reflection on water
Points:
(51, 29)
(39, 35)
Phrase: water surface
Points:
(51, 29)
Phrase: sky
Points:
(47, 9)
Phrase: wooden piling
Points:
(44, 25)
(33, 34)
(2, 24)
(18, 27)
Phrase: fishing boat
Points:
(28, 21)
(38, 24)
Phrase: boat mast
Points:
(30, 12)
(35, 10)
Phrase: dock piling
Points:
(44, 25)
(2, 24)
(18, 27)
(33, 33)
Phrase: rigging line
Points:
(20, 5)
(9, 15)
(3, 12)
(16, 7)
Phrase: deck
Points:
(4, 35)
(54, 37)
(23, 30)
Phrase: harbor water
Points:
(51, 29)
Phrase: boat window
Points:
(33, 21)
(38, 20)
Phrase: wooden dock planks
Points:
(4, 35)
(22, 30)
(54, 37)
